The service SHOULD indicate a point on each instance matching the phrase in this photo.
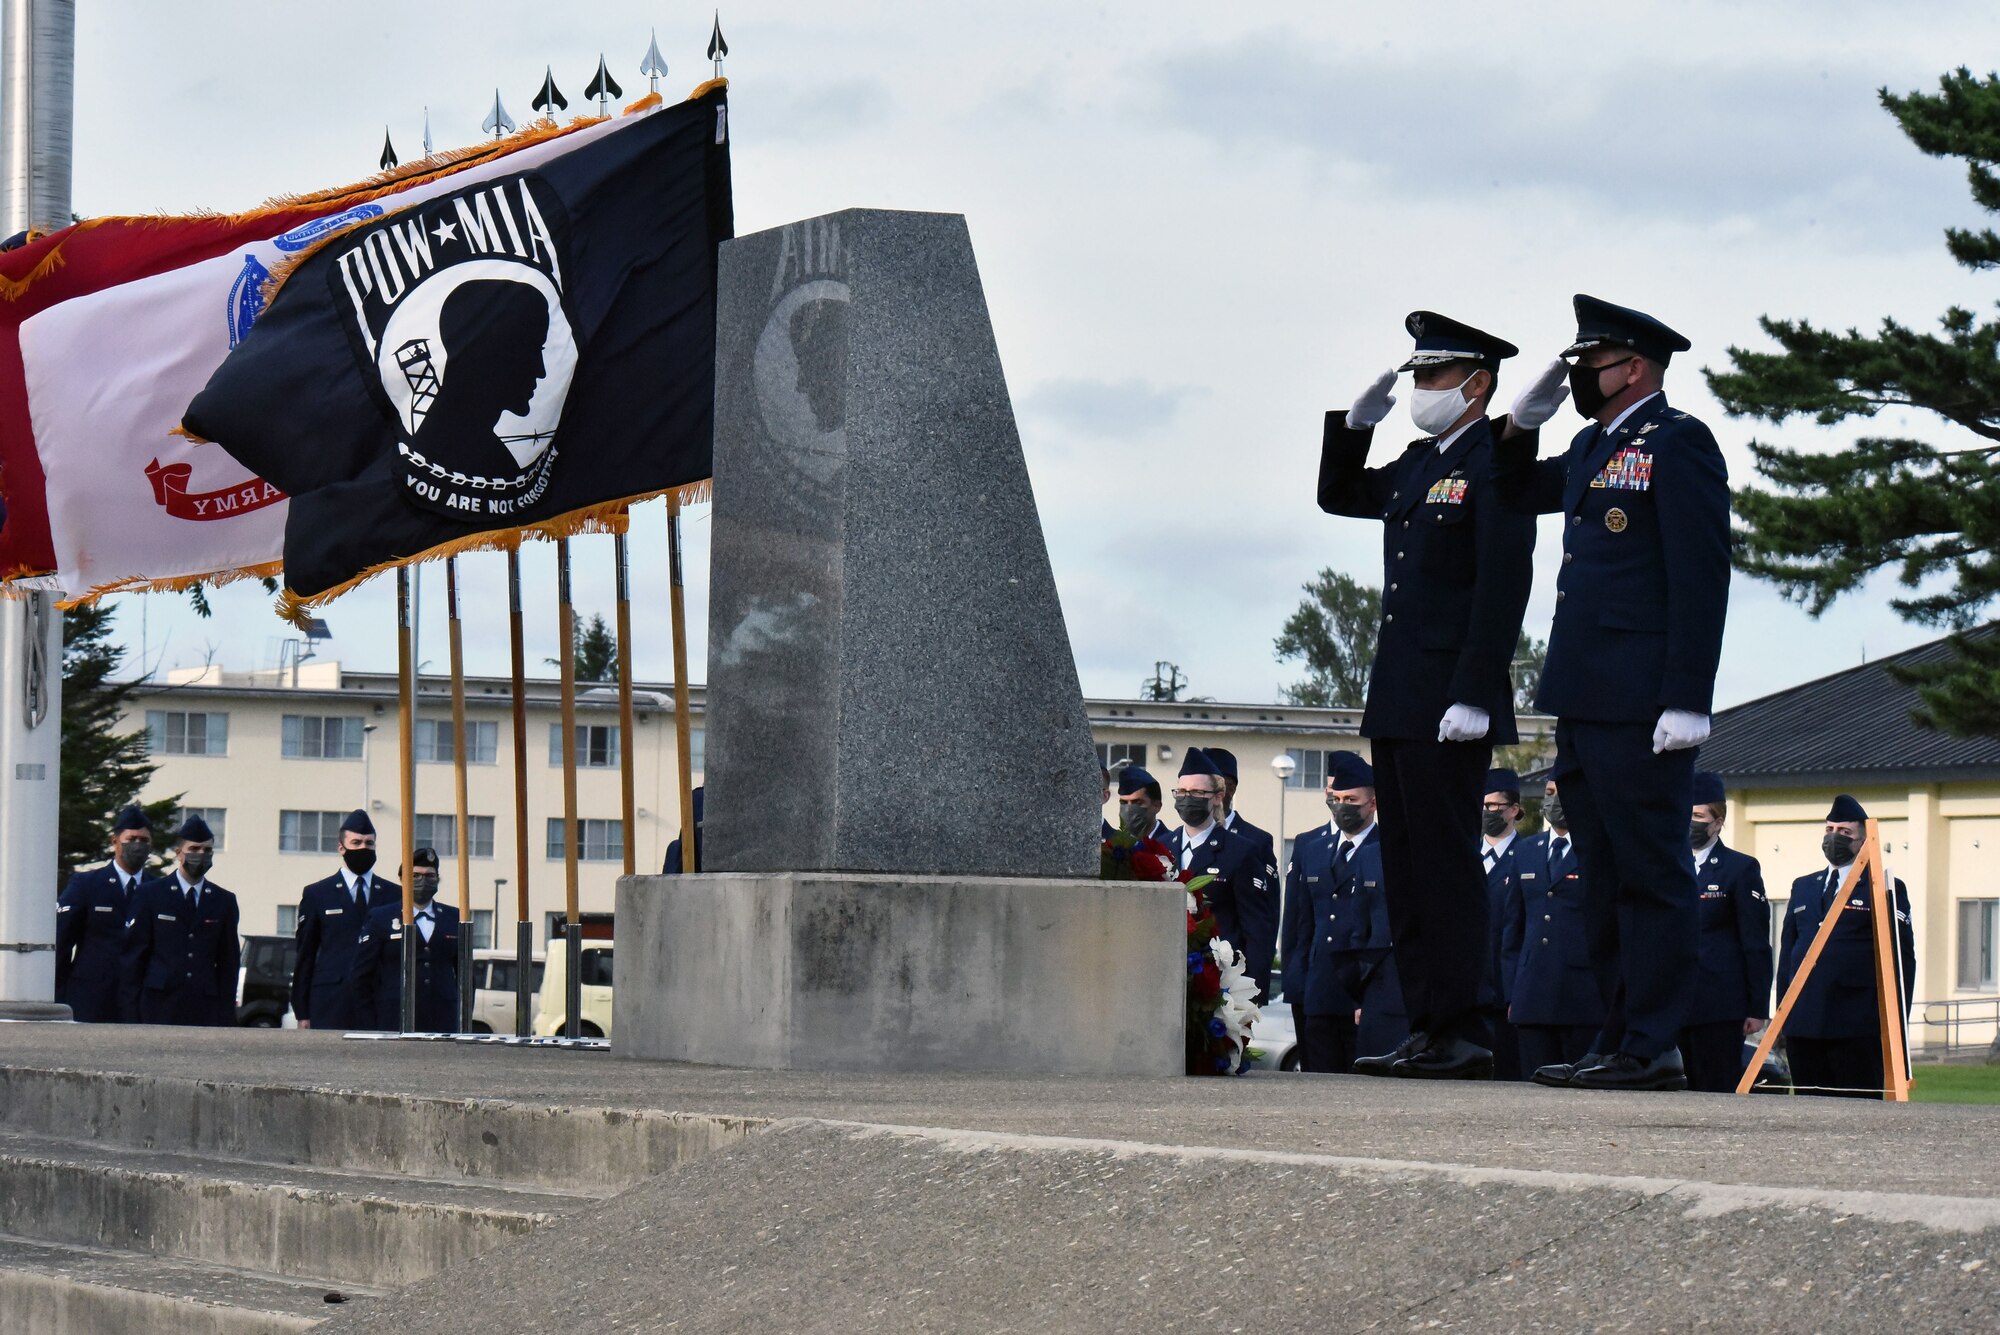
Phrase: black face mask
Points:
(196, 865)
(1586, 387)
(1494, 823)
(1838, 847)
(1699, 833)
(1348, 816)
(1193, 809)
(358, 860)
(1136, 819)
(1552, 812)
(423, 888)
(132, 854)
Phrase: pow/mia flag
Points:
(516, 352)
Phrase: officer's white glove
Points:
(1374, 403)
(1538, 402)
(1678, 729)
(1463, 723)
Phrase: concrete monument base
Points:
(897, 972)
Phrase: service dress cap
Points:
(1197, 762)
(1708, 789)
(1600, 322)
(1346, 769)
(1441, 339)
(357, 822)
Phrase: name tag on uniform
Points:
(211, 922)
(1446, 491)
(1312, 880)
(167, 917)
(1630, 469)
(1527, 876)
(101, 908)
(395, 936)
(1369, 884)
(334, 913)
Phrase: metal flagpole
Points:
(406, 664)
(629, 810)
(683, 725)
(572, 926)
(38, 46)
(460, 744)
(524, 930)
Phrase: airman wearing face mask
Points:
(1732, 995)
(90, 923)
(1456, 567)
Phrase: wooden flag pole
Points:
(524, 930)
(1888, 976)
(1870, 852)
(683, 715)
(460, 744)
(627, 783)
(405, 652)
(572, 924)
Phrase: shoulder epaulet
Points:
(1680, 416)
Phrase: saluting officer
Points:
(1243, 897)
(330, 918)
(378, 955)
(90, 924)
(1640, 603)
(1732, 992)
(181, 951)
(1457, 570)
(1297, 926)
(1833, 1035)
(1499, 828)
(1552, 997)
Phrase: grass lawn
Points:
(1956, 1084)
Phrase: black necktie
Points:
(360, 892)
(1558, 850)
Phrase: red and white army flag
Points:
(130, 503)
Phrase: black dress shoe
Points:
(1446, 1059)
(1559, 1075)
(1622, 1070)
(1385, 1064)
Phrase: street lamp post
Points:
(1284, 766)
(493, 932)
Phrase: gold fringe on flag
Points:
(606, 517)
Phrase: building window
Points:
(1978, 928)
(434, 741)
(441, 833)
(172, 732)
(697, 751)
(288, 920)
(599, 840)
(309, 831)
(1312, 767)
(216, 818)
(1115, 756)
(313, 737)
(596, 745)
(482, 929)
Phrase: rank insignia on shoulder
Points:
(1446, 491)
(1615, 520)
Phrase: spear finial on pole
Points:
(428, 150)
(550, 100)
(654, 66)
(388, 159)
(498, 122)
(717, 48)
(603, 87)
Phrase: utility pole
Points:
(38, 55)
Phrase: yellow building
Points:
(1784, 757)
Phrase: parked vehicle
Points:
(264, 982)
(594, 1015)
(493, 977)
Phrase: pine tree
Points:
(102, 768)
(596, 651)
(1830, 520)
(1334, 632)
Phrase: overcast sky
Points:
(1197, 230)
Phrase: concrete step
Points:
(563, 1149)
(339, 1227)
(46, 1289)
